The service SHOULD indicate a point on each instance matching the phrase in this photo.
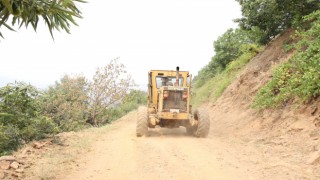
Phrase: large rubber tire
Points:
(142, 121)
(202, 116)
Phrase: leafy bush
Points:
(67, 103)
(300, 77)
(228, 47)
(9, 139)
(40, 128)
(20, 121)
(215, 86)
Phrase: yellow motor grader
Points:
(169, 95)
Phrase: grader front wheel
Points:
(202, 117)
(142, 122)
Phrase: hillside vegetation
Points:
(72, 103)
(262, 21)
(300, 77)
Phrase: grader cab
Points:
(169, 95)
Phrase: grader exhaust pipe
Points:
(177, 76)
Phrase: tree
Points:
(273, 16)
(67, 102)
(132, 100)
(57, 14)
(18, 104)
(228, 47)
(109, 86)
(136, 97)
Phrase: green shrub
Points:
(9, 139)
(43, 127)
(300, 77)
(230, 46)
(20, 119)
(66, 103)
(215, 86)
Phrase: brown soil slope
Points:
(286, 140)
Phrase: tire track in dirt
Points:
(164, 154)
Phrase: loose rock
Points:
(19, 170)
(15, 175)
(14, 165)
(4, 165)
(38, 145)
(2, 175)
(313, 110)
(7, 158)
(26, 151)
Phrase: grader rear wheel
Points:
(203, 128)
(142, 122)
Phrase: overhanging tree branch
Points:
(57, 14)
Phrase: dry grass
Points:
(63, 154)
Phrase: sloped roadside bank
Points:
(287, 139)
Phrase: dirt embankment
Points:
(286, 140)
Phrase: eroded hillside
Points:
(287, 138)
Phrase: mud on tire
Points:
(202, 116)
(142, 121)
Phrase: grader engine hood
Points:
(173, 99)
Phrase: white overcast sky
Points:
(145, 34)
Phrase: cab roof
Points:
(168, 71)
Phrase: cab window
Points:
(167, 81)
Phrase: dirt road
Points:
(164, 154)
(229, 152)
